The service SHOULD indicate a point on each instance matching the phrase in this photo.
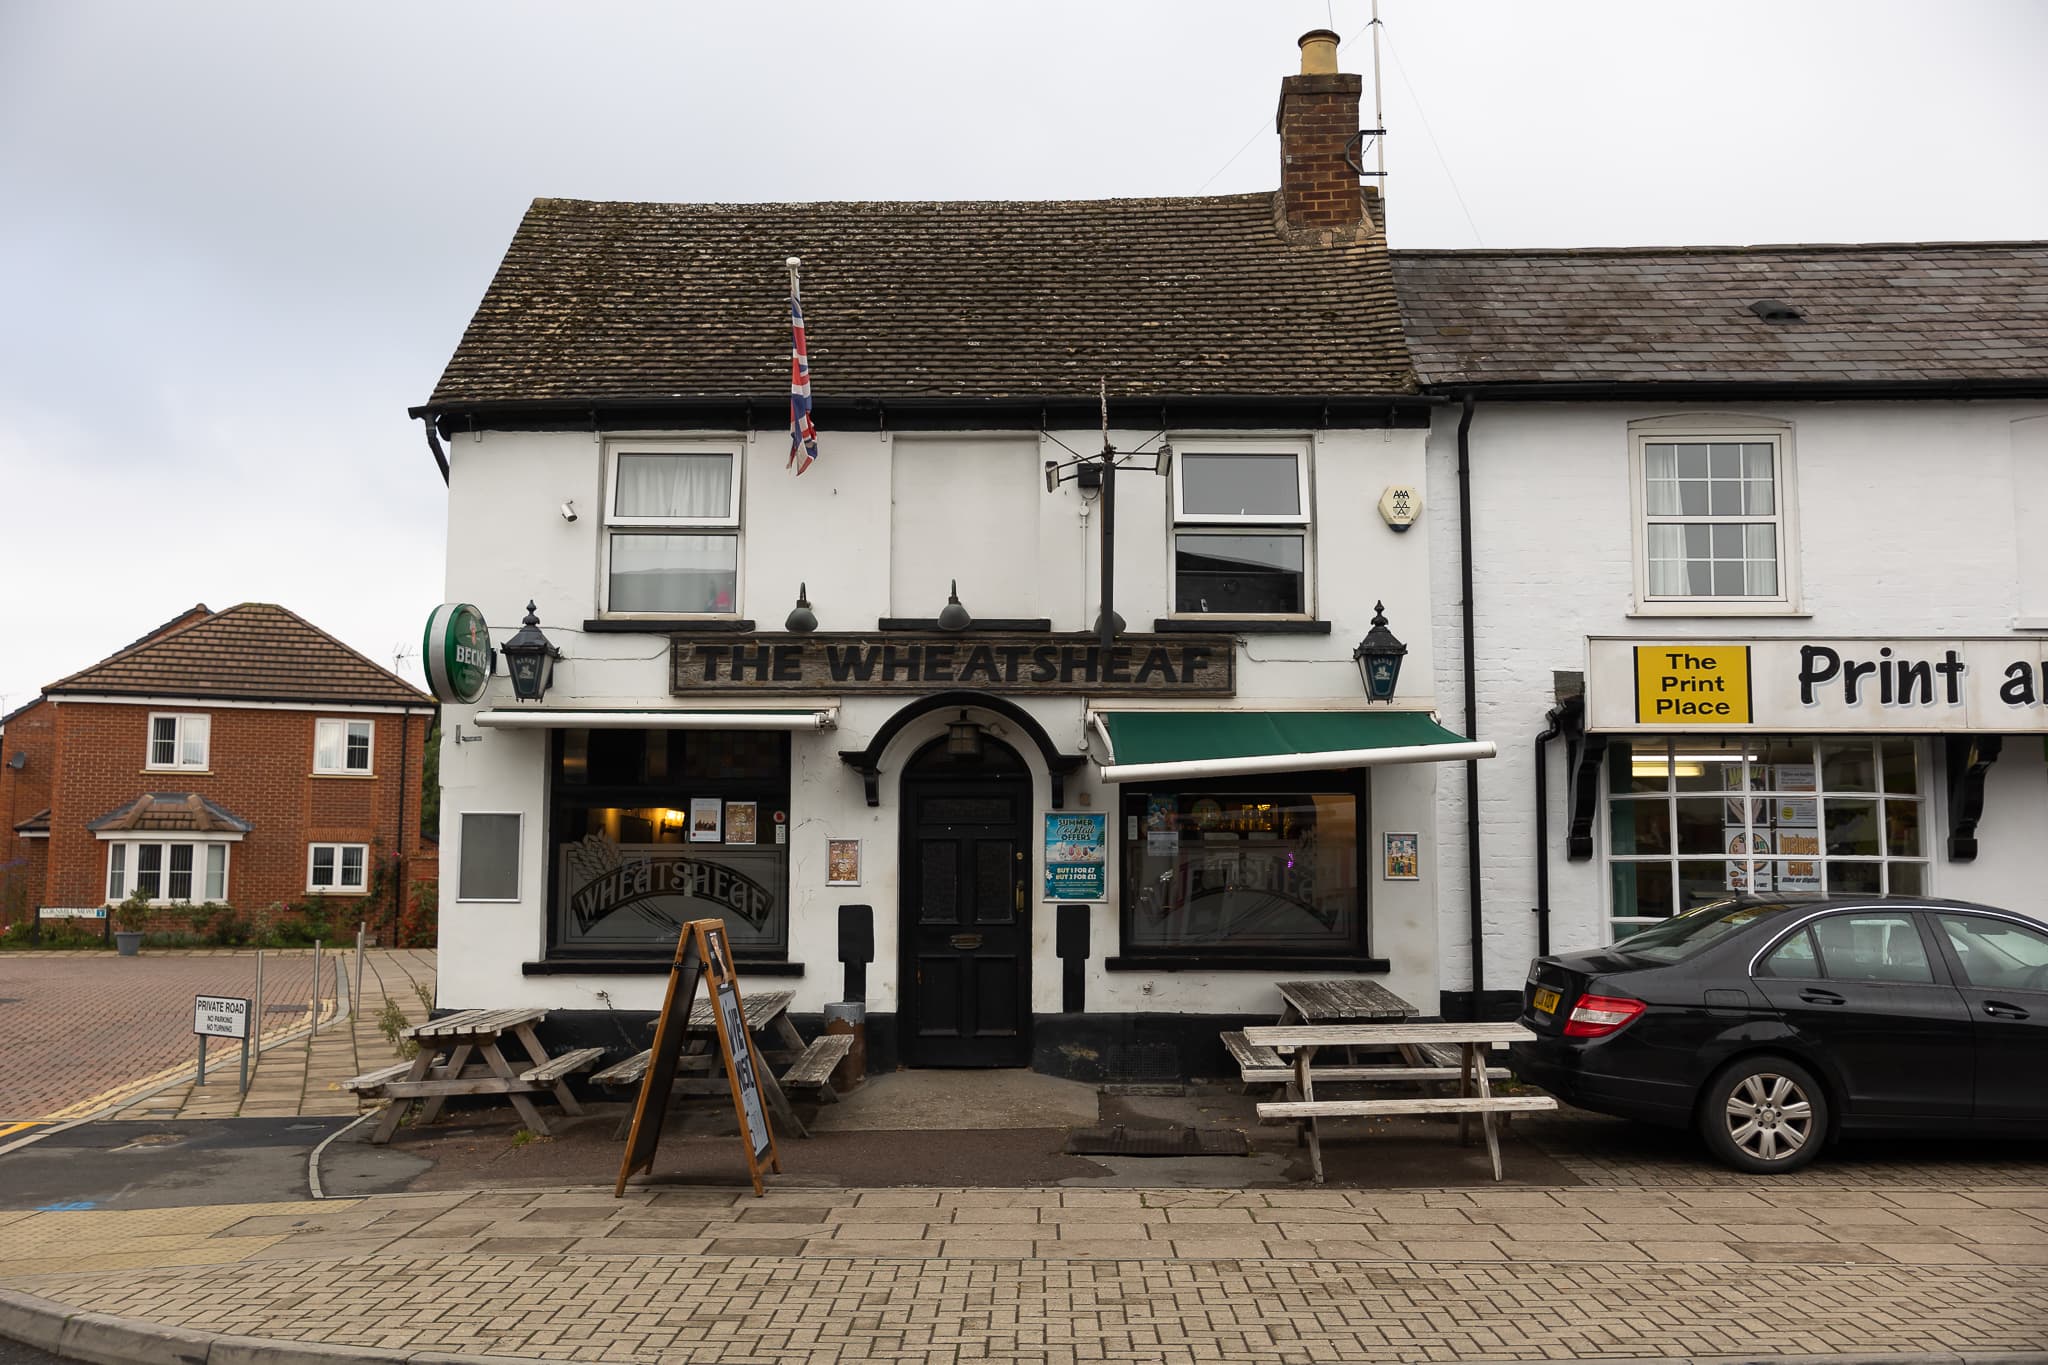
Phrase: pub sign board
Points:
(1795, 684)
(1019, 664)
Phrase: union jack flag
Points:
(803, 432)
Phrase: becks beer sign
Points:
(1861, 686)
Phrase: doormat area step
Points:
(1119, 1139)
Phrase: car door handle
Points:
(1820, 997)
(1998, 1009)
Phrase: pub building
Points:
(1759, 601)
(873, 713)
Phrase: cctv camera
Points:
(569, 510)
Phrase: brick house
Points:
(242, 757)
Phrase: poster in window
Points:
(842, 862)
(706, 826)
(1162, 813)
(1797, 823)
(1076, 856)
(1403, 858)
(1746, 876)
(739, 822)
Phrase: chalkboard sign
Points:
(701, 952)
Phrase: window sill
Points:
(648, 966)
(1234, 963)
(338, 891)
(1666, 610)
(177, 772)
(360, 777)
(1239, 625)
(665, 625)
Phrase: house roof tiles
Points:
(984, 300)
(252, 652)
(1957, 312)
(177, 811)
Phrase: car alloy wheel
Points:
(1764, 1115)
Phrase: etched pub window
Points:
(654, 828)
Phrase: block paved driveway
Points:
(82, 1027)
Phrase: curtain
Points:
(671, 487)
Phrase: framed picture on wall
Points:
(842, 862)
(1403, 861)
(739, 822)
(706, 823)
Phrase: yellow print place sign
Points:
(1692, 684)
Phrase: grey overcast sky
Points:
(238, 240)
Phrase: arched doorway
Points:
(965, 978)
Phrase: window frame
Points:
(731, 524)
(1355, 783)
(1299, 525)
(339, 888)
(1701, 430)
(180, 719)
(369, 768)
(131, 860)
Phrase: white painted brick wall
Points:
(1906, 527)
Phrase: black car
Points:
(1774, 1026)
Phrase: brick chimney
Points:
(1317, 119)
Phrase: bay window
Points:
(167, 872)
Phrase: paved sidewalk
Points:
(832, 1277)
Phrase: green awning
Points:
(1146, 745)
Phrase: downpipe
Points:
(1555, 720)
(1476, 916)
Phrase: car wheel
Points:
(1764, 1115)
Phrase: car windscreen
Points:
(1681, 936)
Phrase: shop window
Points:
(1692, 819)
(179, 741)
(1227, 870)
(342, 746)
(167, 872)
(337, 868)
(672, 530)
(488, 869)
(653, 828)
(1241, 530)
(1713, 519)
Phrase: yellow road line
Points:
(9, 1129)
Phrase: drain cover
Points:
(1118, 1139)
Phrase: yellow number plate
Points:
(1546, 1000)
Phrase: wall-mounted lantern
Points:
(1378, 657)
(802, 620)
(963, 738)
(530, 657)
(953, 616)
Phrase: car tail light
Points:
(1596, 1016)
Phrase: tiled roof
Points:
(1194, 296)
(252, 652)
(39, 823)
(186, 811)
(1917, 312)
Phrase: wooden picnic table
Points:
(1475, 1091)
(767, 1018)
(477, 1033)
(1349, 1001)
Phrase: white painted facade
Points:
(981, 514)
(1915, 520)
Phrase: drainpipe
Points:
(1472, 859)
(398, 887)
(1555, 718)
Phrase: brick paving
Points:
(831, 1277)
(88, 1029)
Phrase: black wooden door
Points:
(966, 981)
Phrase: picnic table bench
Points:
(477, 1033)
(1475, 1092)
(1345, 1001)
(806, 1066)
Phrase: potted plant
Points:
(129, 918)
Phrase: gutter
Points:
(1475, 897)
(1537, 391)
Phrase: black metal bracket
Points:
(1969, 760)
(1584, 756)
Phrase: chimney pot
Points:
(1318, 52)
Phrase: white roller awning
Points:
(540, 718)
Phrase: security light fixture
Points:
(801, 620)
(1378, 657)
(953, 616)
(531, 658)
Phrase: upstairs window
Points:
(672, 530)
(342, 746)
(1713, 520)
(1241, 530)
(178, 741)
